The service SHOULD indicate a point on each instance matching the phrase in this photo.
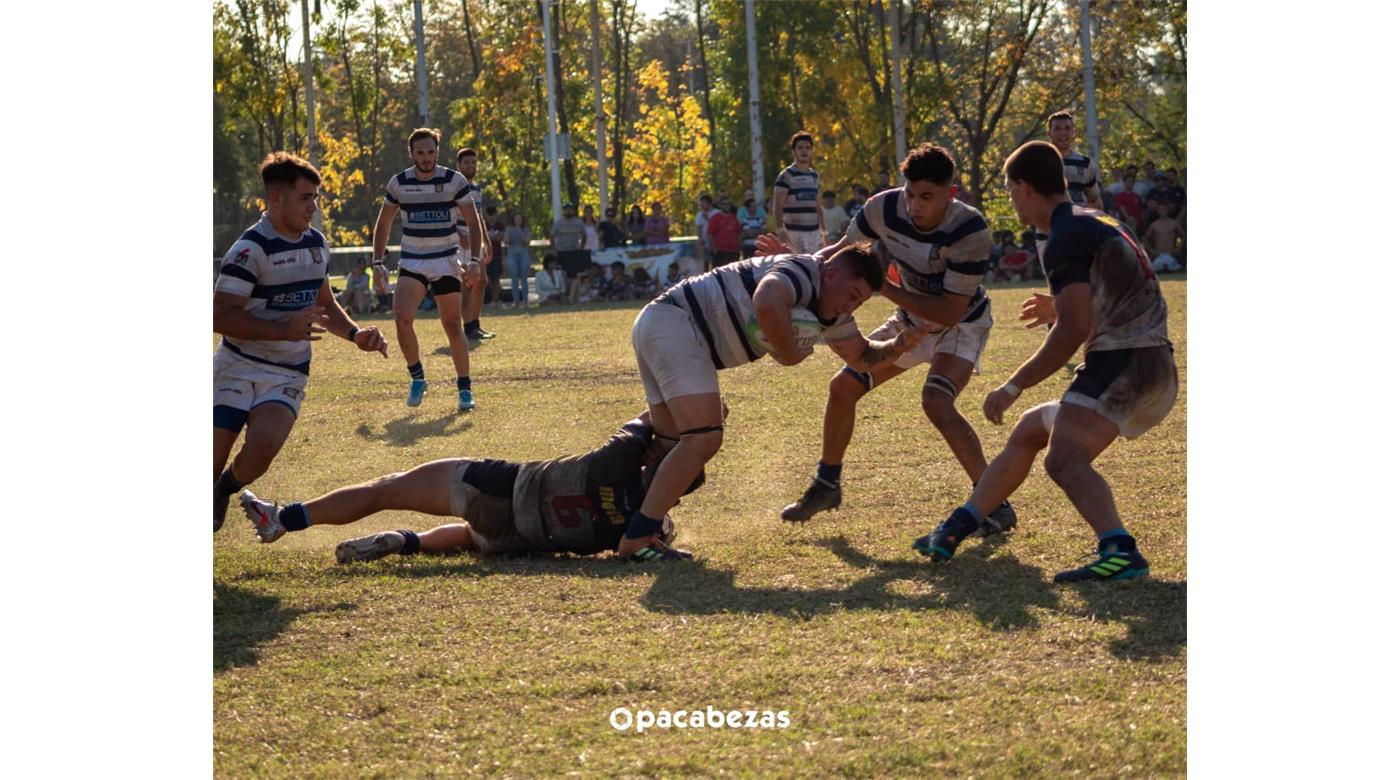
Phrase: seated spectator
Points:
(616, 284)
(725, 236)
(383, 291)
(1163, 240)
(592, 285)
(673, 275)
(657, 226)
(550, 283)
(1014, 265)
(636, 226)
(356, 295)
(642, 285)
(1129, 202)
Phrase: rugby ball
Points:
(806, 330)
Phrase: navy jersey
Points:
(1086, 245)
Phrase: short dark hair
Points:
(282, 169)
(1038, 164)
(1059, 115)
(928, 163)
(465, 151)
(829, 194)
(705, 196)
(800, 135)
(860, 257)
(425, 132)
(550, 258)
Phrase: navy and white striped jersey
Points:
(952, 257)
(800, 201)
(462, 226)
(427, 209)
(720, 303)
(279, 278)
(1080, 174)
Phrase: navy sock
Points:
(464, 383)
(1118, 538)
(227, 484)
(416, 370)
(473, 326)
(828, 473)
(962, 522)
(411, 544)
(640, 525)
(293, 517)
(973, 512)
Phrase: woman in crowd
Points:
(636, 225)
(518, 259)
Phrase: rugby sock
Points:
(227, 484)
(410, 543)
(293, 517)
(416, 370)
(640, 525)
(962, 522)
(829, 474)
(472, 327)
(1119, 538)
(973, 512)
(464, 383)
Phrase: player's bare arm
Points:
(477, 228)
(1037, 310)
(772, 305)
(385, 221)
(947, 309)
(338, 322)
(230, 319)
(1073, 313)
(865, 356)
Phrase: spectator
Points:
(673, 274)
(496, 232)
(752, 219)
(859, 195)
(702, 237)
(642, 285)
(1176, 192)
(1015, 263)
(592, 285)
(658, 226)
(1129, 202)
(590, 231)
(1117, 185)
(518, 259)
(383, 292)
(1163, 240)
(834, 218)
(566, 237)
(616, 285)
(636, 225)
(724, 234)
(1162, 192)
(550, 282)
(356, 295)
(608, 232)
(884, 182)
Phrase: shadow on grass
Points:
(409, 429)
(999, 596)
(244, 619)
(470, 565)
(1153, 610)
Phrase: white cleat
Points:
(264, 516)
(369, 548)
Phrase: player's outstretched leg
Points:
(844, 391)
(1001, 478)
(947, 376)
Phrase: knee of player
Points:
(848, 386)
(451, 320)
(704, 441)
(939, 406)
(1032, 430)
(1060, 465)
(403, 319)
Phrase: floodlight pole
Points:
(551, 141)
(897, 84)
(310, 78)
(1091, 117)
(422, 68)
(755, 129)
(599, 121)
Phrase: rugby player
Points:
(272, 299)
(1081, 173)
(940, 248)
(1105, 298)
(426, 193)
(697, 327)
(795, 199)
(577, 504)
(475, 296)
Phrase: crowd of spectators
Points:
(1153, 204)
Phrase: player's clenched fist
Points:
(370, 340)
(305, 324)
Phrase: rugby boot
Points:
(820, 496)
(465, 401)
(940, 543)
(1117, 559)
(220, 509)
(264, 517)
(1001, 520)
(416, 389)
(369, 548)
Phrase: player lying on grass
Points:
(1105, 298)
(684, 337)
(578, 504)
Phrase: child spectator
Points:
(642, 285)
(549, 283)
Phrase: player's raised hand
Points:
(1039, 309)
(371, 340)
(307, 323)
(769, 244)
(998, 401)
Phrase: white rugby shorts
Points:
(965, 340)
(671, 354)
(243, 384)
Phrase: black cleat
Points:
(818, 498)
(1001, 520)
(940, 543)
(220, 510)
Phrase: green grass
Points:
(452, 666)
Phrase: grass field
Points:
(450, 666)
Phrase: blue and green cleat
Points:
(465, 401)
(1112, 563)
(940, 543)
(416, 389)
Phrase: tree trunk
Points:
(705, 88)
(471, 41)
(560, 103)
